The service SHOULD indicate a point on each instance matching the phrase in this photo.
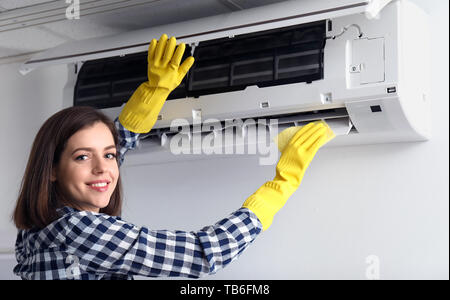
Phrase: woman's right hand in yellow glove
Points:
(291, 167)
(164, 74)
(164, 69)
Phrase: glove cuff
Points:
(140, 113)
(268, 200)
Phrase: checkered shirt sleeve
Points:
(105, 245)
(127, 140)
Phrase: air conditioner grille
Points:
(268, 58)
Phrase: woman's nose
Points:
(99, 166)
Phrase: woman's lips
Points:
(99, 188)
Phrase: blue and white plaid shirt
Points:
(88, 245)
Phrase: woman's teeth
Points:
(99, 184)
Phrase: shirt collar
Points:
(67, 209)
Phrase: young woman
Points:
(69, 205)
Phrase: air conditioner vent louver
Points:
(268, 58)
(283, 121)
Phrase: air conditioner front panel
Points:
(376, 97)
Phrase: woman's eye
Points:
(85, 157)
(111, 155)
(81, 157)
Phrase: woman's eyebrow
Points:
(92, 149)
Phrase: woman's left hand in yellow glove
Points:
(164, 74)
(295, 159)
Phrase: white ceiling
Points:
(28, 26)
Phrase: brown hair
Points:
(39, 197)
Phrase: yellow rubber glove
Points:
(164, 75)
(294, 160)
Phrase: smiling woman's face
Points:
(88, 163)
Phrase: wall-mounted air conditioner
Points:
(362, 65)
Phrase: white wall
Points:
(387, 200)
(27, 101)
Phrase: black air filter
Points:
(280, 56)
